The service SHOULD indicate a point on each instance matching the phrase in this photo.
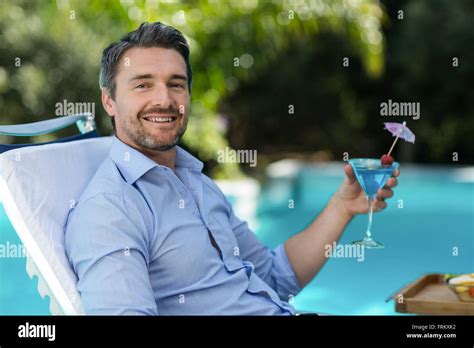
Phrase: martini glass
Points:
(371, 175)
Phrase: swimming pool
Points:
(437, 216)
(18, 293)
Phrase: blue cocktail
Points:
(372, 175)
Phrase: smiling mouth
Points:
(161, 119)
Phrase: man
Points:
(152, 234)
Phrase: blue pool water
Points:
(437, 216)
(18, 294)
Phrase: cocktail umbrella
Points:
(399, 130)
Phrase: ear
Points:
(108, 103)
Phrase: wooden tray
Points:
(431, 295)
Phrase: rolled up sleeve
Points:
(285, 279)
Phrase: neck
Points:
(165, 158)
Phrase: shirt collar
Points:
(133, 164)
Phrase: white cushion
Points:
(38, 187)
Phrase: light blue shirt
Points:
(145, 239)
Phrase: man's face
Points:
(151, 98)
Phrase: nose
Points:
(161, 97)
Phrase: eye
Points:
(177, 85)
(143, 85)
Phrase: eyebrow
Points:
(178, 77)
(141, 77)
(150, 76)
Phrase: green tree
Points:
(60, 42)
(337, 109)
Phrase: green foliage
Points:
(337, 108)
(60, 45)
(421, 68)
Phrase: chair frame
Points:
(60, 304)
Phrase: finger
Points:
(391, 182)
(350, 174)
(380, 205)
(396, 173)
(383, 194)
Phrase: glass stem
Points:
(368, 234)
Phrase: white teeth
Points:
(160, 119)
